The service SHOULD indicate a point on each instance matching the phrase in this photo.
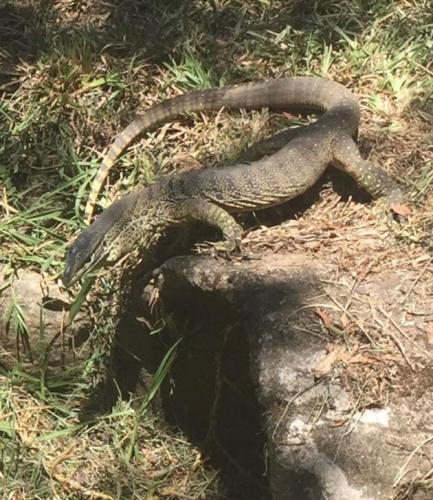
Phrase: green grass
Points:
(69, 81)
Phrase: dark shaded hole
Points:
(211, 398)
(209, 395)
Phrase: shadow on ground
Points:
(32, 30)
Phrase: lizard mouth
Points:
(91, 249)
(70, 276)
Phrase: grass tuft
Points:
(71, 76)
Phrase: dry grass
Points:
(72, 74)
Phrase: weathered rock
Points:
(321, 442)
(33, 321)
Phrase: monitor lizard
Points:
(211, 195)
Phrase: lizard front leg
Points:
(212, 214)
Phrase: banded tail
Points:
(299, 94)
(121, 142)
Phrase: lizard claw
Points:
(393, 207)
(223, 248)
(227, 250)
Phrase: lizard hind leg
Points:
(212, 214)
(374, 180)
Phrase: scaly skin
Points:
(304, 94)
(212, 195)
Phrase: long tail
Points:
(297, 94)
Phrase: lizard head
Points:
(109, 238)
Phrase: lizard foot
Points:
(224, 248)
(393, 208)
(221, 249)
